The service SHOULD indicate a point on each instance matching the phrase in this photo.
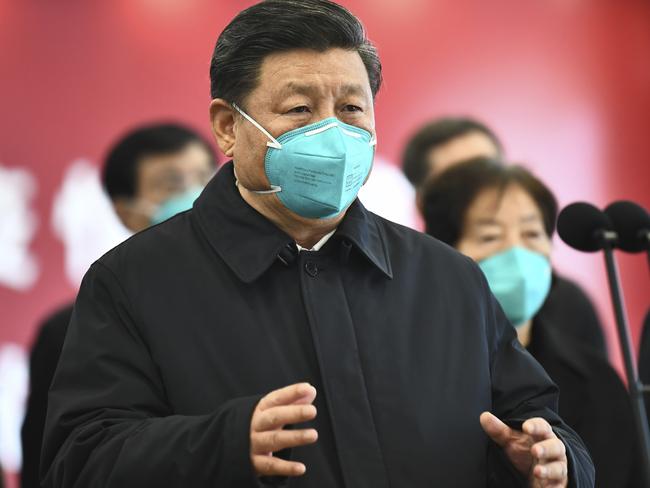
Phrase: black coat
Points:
(178, 332)
(43, 359)
(594, 402)
(568, 310)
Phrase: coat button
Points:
(311, 268)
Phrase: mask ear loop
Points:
(273, 143)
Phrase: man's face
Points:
(162, 176)
(297, 88)
(467, 146)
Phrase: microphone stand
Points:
(645, 235)
(608, 240)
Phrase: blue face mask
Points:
(317, 170)
(520, 280)
(176, 204)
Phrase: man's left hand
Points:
(535, 451)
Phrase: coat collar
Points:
(250, 244)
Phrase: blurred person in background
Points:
(503, 218)
(150, 174)
(443, 143)
(446, 142)
(156, 171)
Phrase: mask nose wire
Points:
(273, 142)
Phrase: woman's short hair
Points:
(448, 196)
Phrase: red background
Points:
(566, 84)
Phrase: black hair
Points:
(119, 174)
(282, 25)
(415, 162)
(448, 197)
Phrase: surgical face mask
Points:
(176, 204)
(317, 170)
(520, 280)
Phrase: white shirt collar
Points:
(319, 244)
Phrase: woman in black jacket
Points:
(503, 218)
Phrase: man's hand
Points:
(536, 452)
(289, 405)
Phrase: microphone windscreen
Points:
(632, 224)
(579, 224)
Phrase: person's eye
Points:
(352, 108)
(533, 234)
(299, 110)
(485, 239)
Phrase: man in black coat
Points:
(279, 301)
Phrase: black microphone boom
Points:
(586, 228)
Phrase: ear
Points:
(222, 117)
(419, 201)
(122, 209)
(133, 221)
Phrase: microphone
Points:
(632, 224)
(585, 227)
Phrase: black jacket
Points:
(594, 402)
(178, 332)
(569, 311)
(43, 359)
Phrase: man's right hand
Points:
(289, 405)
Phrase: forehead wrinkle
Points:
(486, 221)
(352, 89)
(530, 218)
(293, 87)
(491, 221)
